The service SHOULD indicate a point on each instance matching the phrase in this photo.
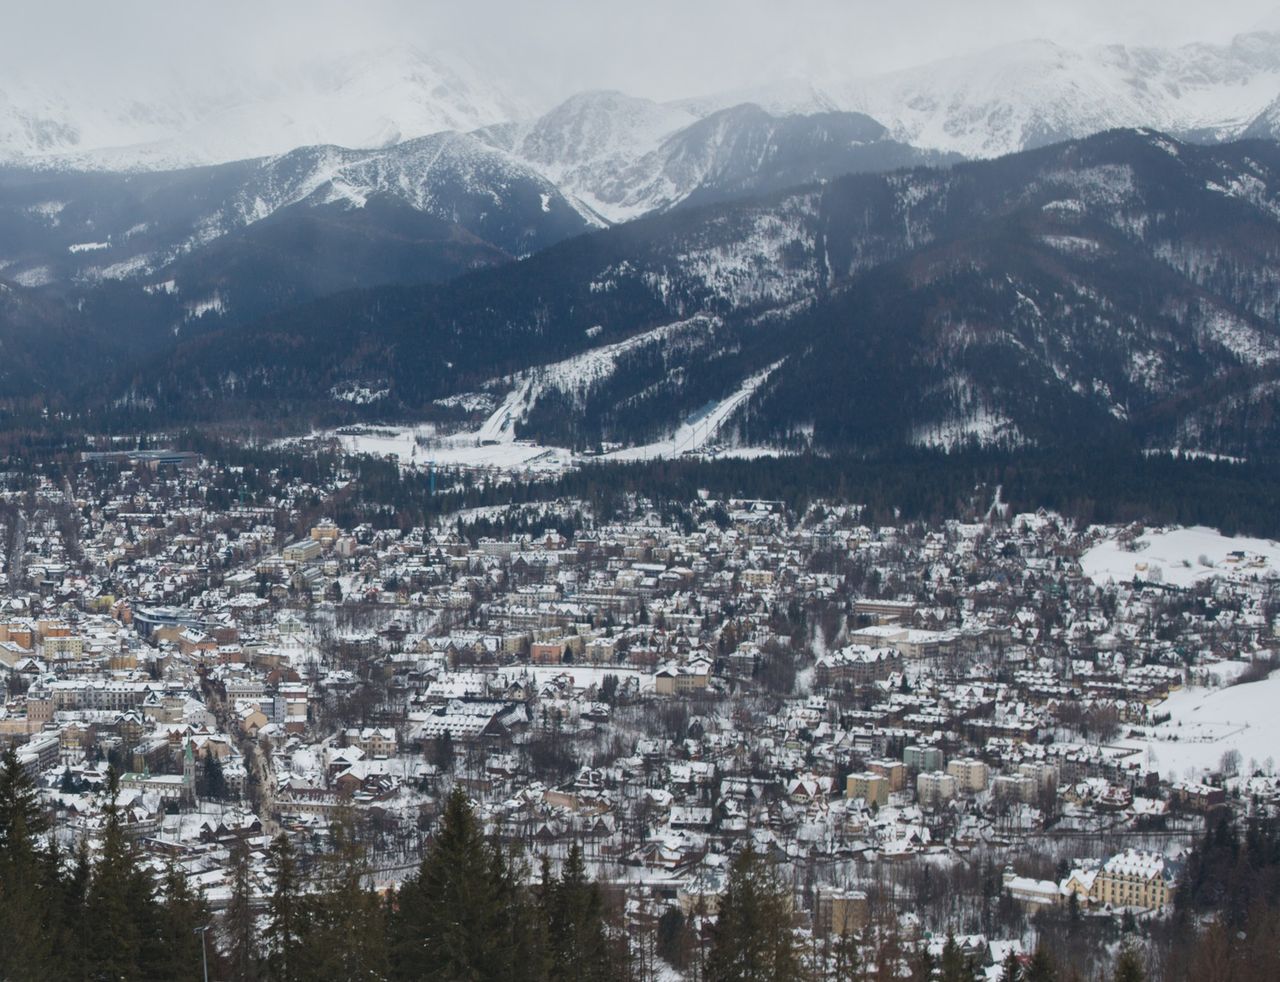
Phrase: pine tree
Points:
(1041, 968)
(114, 925)
(845, 958)
(1012, 967)
(28, 884)
(343, 931)
(923, 965)
(21, 821)
(752, 937)
(239, 923)
(461, 916)
(180, 919)
(954, 966)
(1129, 966)
(74, 958)
(283, 913)
(574, 915)
(213, 782)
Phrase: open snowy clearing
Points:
(1205, 723)
(695, 433)
(494, 445)
(1181, 557)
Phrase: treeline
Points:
(1089, 484)
(472, 912)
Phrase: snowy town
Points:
(977, 730)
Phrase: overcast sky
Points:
(658, 48)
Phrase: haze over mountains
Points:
(399, 223)
(998, 101)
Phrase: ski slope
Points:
(696, 433)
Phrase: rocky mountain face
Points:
(627, 157)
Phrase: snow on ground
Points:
(586, 675)
(494, 445)
(420, 446)
(1205, 723)
(1181, 557)
(701, 429)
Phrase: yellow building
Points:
(869, 787)
(1134, 878)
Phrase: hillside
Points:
(1119, 288)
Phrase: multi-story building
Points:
(870, 787)
(920, 759)
(1135, 878)
(970, 774)
(935, 787)
(893, 771)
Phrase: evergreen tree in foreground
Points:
(574, 912)
(1011, 967)
(28, 899)
(112, 924)
(463, 916)
(241, 936)
(1041, 967)
(283, 913)
(752, 938)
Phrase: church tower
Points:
(189, 774)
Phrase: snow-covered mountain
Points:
(1117, 290)
(981, 105)
(626, 157)
(1032, 93)
(372, 99)
(589, 141)
(72, 227)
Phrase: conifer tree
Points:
(114, 924)
(752, 937)
(27, 897)
(343, 929)
(923, 965)
(461, 916)
(283, 915)
(575, 925)
(182, 913)
(1041, 967)
(1011, 967)
(954, 966)
(846, 959)
(1129, 966)
(239, 926)
(21, 821)
(74, 958)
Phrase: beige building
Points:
(1134, 878)
(970, 774)
(870, 787)
(693, 677)
(893, 771)
(935, 787)
(840, 912)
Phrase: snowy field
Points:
(1207, 722)
(1181, 557)
(695, 433)
(494, 445)
(468, 449)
